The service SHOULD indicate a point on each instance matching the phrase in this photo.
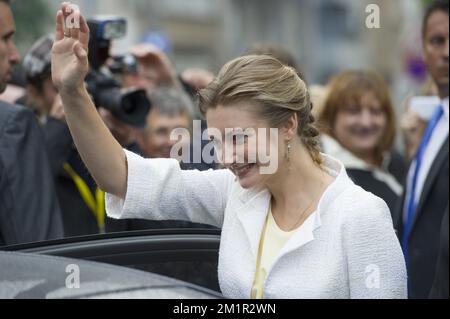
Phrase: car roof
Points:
(31, 276)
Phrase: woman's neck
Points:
(296, 188)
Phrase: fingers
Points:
(83, 25)
(59, 34)
(66, 9)
(79, 51)
(84, 35)
(75, 32)
(72, 24)
(144, 51)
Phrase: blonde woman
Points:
(305, 231)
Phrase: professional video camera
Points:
(130, 106)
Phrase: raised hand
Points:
(70, 63)
(154, 61)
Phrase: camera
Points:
(130, 106)
(123, 64)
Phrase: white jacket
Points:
(350, 161)
(347, 249)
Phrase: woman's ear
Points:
(290, 128)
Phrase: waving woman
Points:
(304, 231)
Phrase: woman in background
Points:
(359, 126)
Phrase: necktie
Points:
(411, 201)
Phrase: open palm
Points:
(69, 54)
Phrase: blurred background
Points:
(326, 36)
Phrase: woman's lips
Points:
(242, 170)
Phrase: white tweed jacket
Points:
(346, 249)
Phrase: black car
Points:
(186, 258)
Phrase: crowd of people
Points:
(64, 171)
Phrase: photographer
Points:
(122, 106)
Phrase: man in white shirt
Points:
(426, 197)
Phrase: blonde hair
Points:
(276, 91)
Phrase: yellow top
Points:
(272, 242)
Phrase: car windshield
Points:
(39, 276)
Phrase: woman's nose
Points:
(365, 118)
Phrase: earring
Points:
(288, 153)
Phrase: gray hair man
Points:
(171, 109)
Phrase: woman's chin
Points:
(365, 146)
(246, 184)
(250, 180)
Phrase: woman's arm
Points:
(375, 262)
(158, 189)
(135, 187)
(101, 153)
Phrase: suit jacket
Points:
(424, 239)
(440, 286)
(29, 209)
(346, 249)
(78, 219)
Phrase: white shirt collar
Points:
(333, 148)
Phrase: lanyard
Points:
(95, 203)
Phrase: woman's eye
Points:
(377, 112)
(352, 110)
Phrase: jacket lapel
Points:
(304, 235)
(252, 215)
(254, 207)
(432, 175)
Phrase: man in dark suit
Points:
(440, 286)
(425, 201)
(29, 210)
